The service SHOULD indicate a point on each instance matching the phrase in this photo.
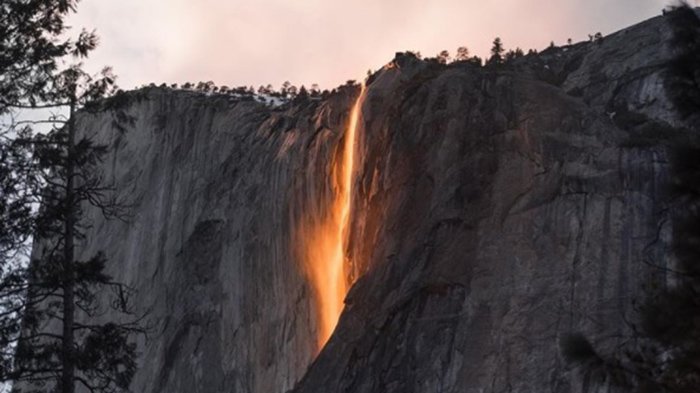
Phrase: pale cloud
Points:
(253, 42)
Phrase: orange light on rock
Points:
(326, 246)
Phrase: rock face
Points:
(495, 210)
(217, 186)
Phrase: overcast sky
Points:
(254, 42)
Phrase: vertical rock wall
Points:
(495, 210)
(218, 187)
(500, 209)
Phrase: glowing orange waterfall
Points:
(326, 247)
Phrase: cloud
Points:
(253, 42)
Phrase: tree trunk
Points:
(68, 360)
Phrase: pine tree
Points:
(30, 46)
(496, 52)
(513, 54)
(303, 93)
(48, 333)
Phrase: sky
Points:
(260, 42)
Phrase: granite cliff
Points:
(493, 211)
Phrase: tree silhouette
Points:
(48, 334)
(443, 57)
(514, 54)
(303, 93)
(315, 90)
(462, 54)
(496, 52)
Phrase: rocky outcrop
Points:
(495, 210)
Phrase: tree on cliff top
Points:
(496, 52)
(443, 57)
(50, 338)
(462, 54)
